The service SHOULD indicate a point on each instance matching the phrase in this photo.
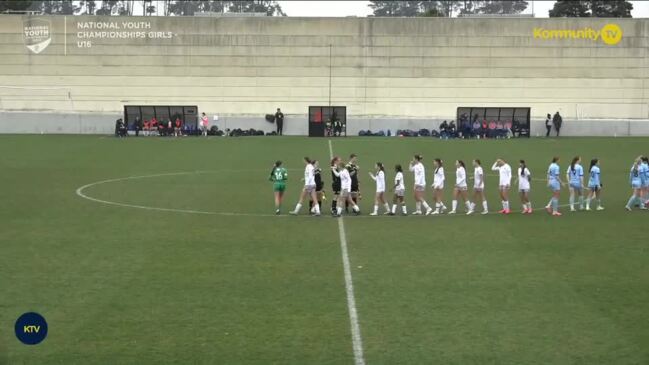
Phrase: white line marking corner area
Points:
(357, 340)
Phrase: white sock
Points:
(316, 208)
(339, 210)
(418, 206)
(394, 208)
(454, 205)
(297, 207)
(426, 206)
(469, 206)
(356, 208)
(484, 205)
(376, 209)
(387, 207)
(572, 201)
(404, 209)
(506, 204)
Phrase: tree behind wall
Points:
(599, 8)
(14, 5)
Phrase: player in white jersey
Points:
(417, 167)
(505, 180)
(399, 191)
(478, 187)
(524, 178)
(345, 189)
(309, 189)
(379, 198)
(438, 186)
(461, 188)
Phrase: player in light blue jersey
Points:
(635, 178)
(575, 178)
(594, 184)
(554, 183)
(645, 178)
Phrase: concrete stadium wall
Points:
(391, 73)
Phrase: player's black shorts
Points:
(335, 188)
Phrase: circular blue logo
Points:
(31, 328)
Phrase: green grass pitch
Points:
(127, 285)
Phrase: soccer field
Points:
(162, 250)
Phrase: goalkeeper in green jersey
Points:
(278, 175)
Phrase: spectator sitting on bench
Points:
(177, 127)
(491, 132)
(452, 129)
(443, 130)
(477, 128)
(153, 126)
(500, 129)
(508, 128)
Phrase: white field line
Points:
(357, 340)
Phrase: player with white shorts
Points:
(399, 192)
(505, 180)
(438, 186)
(309, 189)
(417, 167)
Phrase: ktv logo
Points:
(37, 34)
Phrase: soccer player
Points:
(278, 175)
(554, 183)
(146, 127)
(594, 185)
(505, 180)
(635, 178)
(177, 127)
(399, 191)
(575, 177)
(379, 198)
(309, 189)
(420, 185)
(353, 169)
(438, 186)
(524, 179)
(345, 189)
(335, 184)
(461, 188)
(319, 185)
(478, 187)
(644, 168)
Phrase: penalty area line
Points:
(357, 341)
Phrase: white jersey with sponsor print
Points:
(420, 173)
(505, 173)
(309, 175)
(478, 178)
(398, 182)
(524, 179)
(460, 177)
(438, 178)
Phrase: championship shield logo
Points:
(37, 34)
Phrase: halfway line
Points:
(357, 341)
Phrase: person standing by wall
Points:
(279, 121)
(204, 122)
(548, 125)
(557, 121)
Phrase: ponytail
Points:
(572, 164)
(523, 167)
(593, 162)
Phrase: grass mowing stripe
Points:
(357, 340)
